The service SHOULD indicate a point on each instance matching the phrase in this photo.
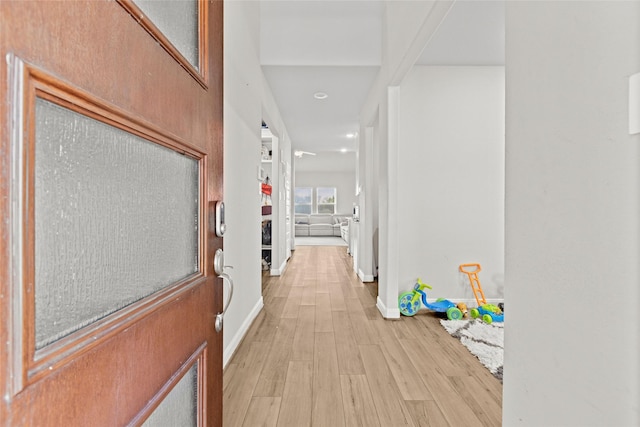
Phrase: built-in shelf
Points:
(266, 160)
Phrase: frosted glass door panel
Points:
(178, 21)
(179, 407)
(116, 219)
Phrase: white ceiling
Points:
(334, 47)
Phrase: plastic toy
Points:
(463, 308)
(489, 312)
(409, 302)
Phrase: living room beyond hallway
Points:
(321, 354)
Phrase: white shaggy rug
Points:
(484, 341)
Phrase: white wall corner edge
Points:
(365, 277)
(279, 271)
(387, 313)
(634, 104)
(237, 338)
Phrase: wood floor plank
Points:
(420, 358)
(415, 328)
(433, 362)
(426, 413)
(262, 412)
(229, 375)
(272, 377)
(291, 307)
(324, 322)
(359, 408)
(441, 347)
(337, 298)
(319, 318)
(238, 391)
(264, 328)
(363, 330)
(304, 338)
(274, 306)
(454, 407)
(281, 290)
(481, 402)
(295, 409)
(349, 360)
(327, 397)
(389, 404)
(309, 293)
(404, 372)
(322, 287)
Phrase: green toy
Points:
(409, 302)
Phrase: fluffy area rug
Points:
(484, 341)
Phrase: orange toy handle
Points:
(477, 266)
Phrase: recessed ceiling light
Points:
(320, 95)
(343, 150)
(351, 135)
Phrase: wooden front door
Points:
(111, 148)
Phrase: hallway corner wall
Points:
(242, 119)
(572, 338)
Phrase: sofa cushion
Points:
(340, 219)
(320, 230)
(302, 219)
(321, 219)
(320, 224)
(302, 230)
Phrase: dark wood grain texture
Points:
(107, 375)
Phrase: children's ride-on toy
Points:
(409, 303)
(490, 313)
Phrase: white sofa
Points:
(320, 224)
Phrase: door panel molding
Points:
(97, 60)
(201, 75)
(198, 359)
(27, 363)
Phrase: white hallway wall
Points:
(571, 207)
(247, 101)
(572, 337)
(407, 27)
(450, 195)
(242, 118)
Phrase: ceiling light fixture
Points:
(351, 135)
(320, 95)
(343, 150)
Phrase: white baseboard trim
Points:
(279, 271)
(387, 313)
(237, 338)
(365, 277)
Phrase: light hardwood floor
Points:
(320, 354)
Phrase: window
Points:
(326, 200)
(302, 200)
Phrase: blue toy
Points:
(409, 303)
(489, 313)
